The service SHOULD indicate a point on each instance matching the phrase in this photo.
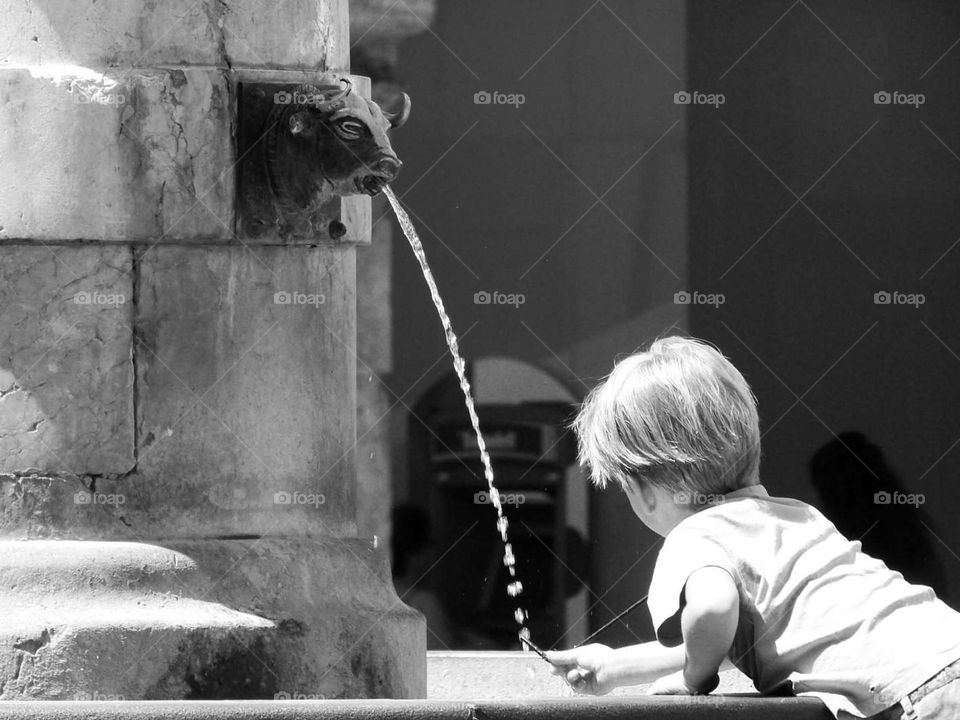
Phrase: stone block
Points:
(111, 33)
(119, 156)
(247, 395)
(66, 375)
(307, 35)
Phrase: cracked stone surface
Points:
(151, 150)
(66, 376)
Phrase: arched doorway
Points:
(524, 414)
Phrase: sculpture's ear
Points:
(300, 123)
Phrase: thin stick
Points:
(530, 644)
(619, 617)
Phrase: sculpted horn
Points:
(397, 119)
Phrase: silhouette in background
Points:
(856, 488)
(411, 545)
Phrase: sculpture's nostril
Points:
(389, 166)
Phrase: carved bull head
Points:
(325, 141)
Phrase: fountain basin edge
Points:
(608, 708)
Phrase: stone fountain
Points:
(184, 187)
(178, 493)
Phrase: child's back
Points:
(815, 611)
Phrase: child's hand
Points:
(672, 684)
(586, 669)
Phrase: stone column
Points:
(177, 477)
(377, 27)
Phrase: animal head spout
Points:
(303, 146)
(332, 142)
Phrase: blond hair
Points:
(679, 416)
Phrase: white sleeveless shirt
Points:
(817, 616)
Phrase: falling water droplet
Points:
(514, 588)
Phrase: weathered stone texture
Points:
(242, 397)
(66, 375)
(274, 624)
(178, 400)
(140, 155)
(210, 32)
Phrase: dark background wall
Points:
(800, 318)
(497, 211)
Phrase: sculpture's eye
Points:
(350, 129)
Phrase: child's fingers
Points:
(579, 679)
(575, 677)
(562, 657)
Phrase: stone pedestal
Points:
(177, 476)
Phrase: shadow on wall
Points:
(865, 499)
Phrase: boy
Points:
(765, 582)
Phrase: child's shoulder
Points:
(745, 516)
(749, 504)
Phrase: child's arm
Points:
(598, 669)
(709, 622)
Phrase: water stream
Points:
(515, 587)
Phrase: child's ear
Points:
(641, 495)
(647, 496)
